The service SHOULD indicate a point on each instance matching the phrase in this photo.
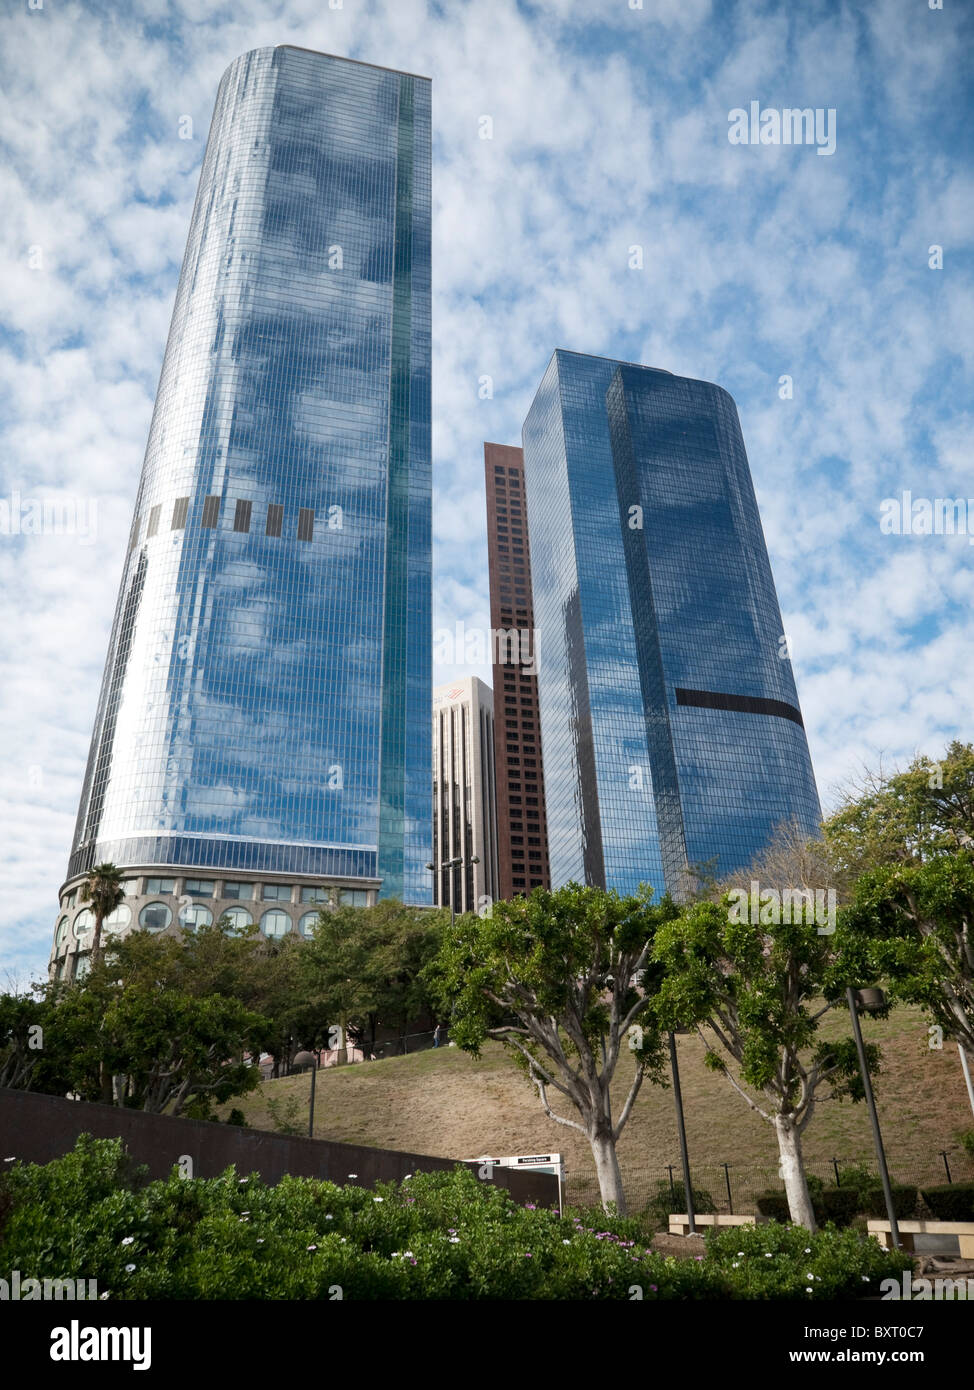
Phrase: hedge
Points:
(838, 1204)
(951, 1202)
(442, 1235)
(904, 1201)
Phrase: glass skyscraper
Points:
(264, 720)
(671, 731)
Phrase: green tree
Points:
(908, 839)
(163, 1046)
(333, 969)
(565, 981)
(761, 990)
(400, 942)
(886, 819)
(23, 1021)
(149, 1018)
(922, 918)
(103, 889)
(175, 1048)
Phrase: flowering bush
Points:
(782, 1261)
(433, 1236)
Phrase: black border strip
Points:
(743, 704)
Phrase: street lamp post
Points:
(311, 1102)
(453, 864)
(681, 1126)
(869, 1001)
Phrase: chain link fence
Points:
(733, 1188)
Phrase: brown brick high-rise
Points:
(522, 835)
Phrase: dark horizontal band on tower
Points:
(744, 704)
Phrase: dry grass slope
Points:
(444, 1102)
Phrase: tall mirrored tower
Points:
(670, 724)
(263, 726)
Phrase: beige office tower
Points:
(464, 806)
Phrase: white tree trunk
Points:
(607, 1169)
(793, 1172)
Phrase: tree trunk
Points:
(793, 1172)
(96, 939)
(607, 1169)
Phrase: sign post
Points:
(542, 1163)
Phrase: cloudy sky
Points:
(609, 132)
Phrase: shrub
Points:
(835, 1204)
(236, 1117)
(441, 1235)
(873, 1201)
(288, 1114)
(666, 1200)
(838, 1204)
(777, 1261)
(860, 1178)
(774, 1205)
(966, 1137)
(951, 1201)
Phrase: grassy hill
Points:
(444, 1102)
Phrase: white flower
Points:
(736, 1264)
(408, 1254)
(260, 1240)
(242, 1180)
(353, 1175)
(455, 1240)
(103, 1296)
(808, 1249)
(809, 1276)
(128, 1240)
(10, 1160)
(129, 1269)
(312, 1247)
(767, 1254)
(407, 1177)
(378, 1199)
(740, 1254)
(808, 1291)
(566, 1242)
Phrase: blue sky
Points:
(610, 130)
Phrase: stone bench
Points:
(680, 1223)
(963, 1230)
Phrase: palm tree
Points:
(103, 889)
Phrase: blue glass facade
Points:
(670, 725)
(267, 694)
